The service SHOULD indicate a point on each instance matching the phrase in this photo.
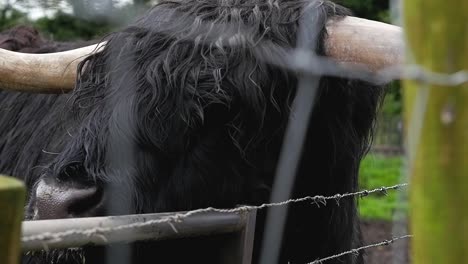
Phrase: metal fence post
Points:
(239, 248)
(12, 196)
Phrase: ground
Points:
(375, 231)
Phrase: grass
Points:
(377, 171)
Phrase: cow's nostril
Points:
(84, 201)
(54, 201)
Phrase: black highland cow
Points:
(202, 114)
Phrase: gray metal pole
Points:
(77, 232)
(293, 142)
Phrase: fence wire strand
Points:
(312, 64)
(318, 200)
(357, 250)
(417, 73)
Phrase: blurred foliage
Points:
(392, 104)
(10, 17)
(377, 171)
(67, 27)
(89, 19)
(61, 27)
(370, 9)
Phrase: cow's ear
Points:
(7, 43)
(19, 38)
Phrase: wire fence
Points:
(48, 240)
(101, 232)
(303, 61)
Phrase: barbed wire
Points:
(357, 250)
(318, 200)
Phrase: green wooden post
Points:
(12, 195)
(437, 34)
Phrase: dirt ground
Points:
(378, 231)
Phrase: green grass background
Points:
(378, 171)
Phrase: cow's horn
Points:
(350, 40)
(355, 40)
(41, 73)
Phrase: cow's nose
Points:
(54, 201)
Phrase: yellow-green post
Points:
(12, 196)
(437, 35)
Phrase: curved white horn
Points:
(353, 40)
(41, 73)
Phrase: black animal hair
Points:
(190, 90)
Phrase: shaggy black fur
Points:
(207, 114)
